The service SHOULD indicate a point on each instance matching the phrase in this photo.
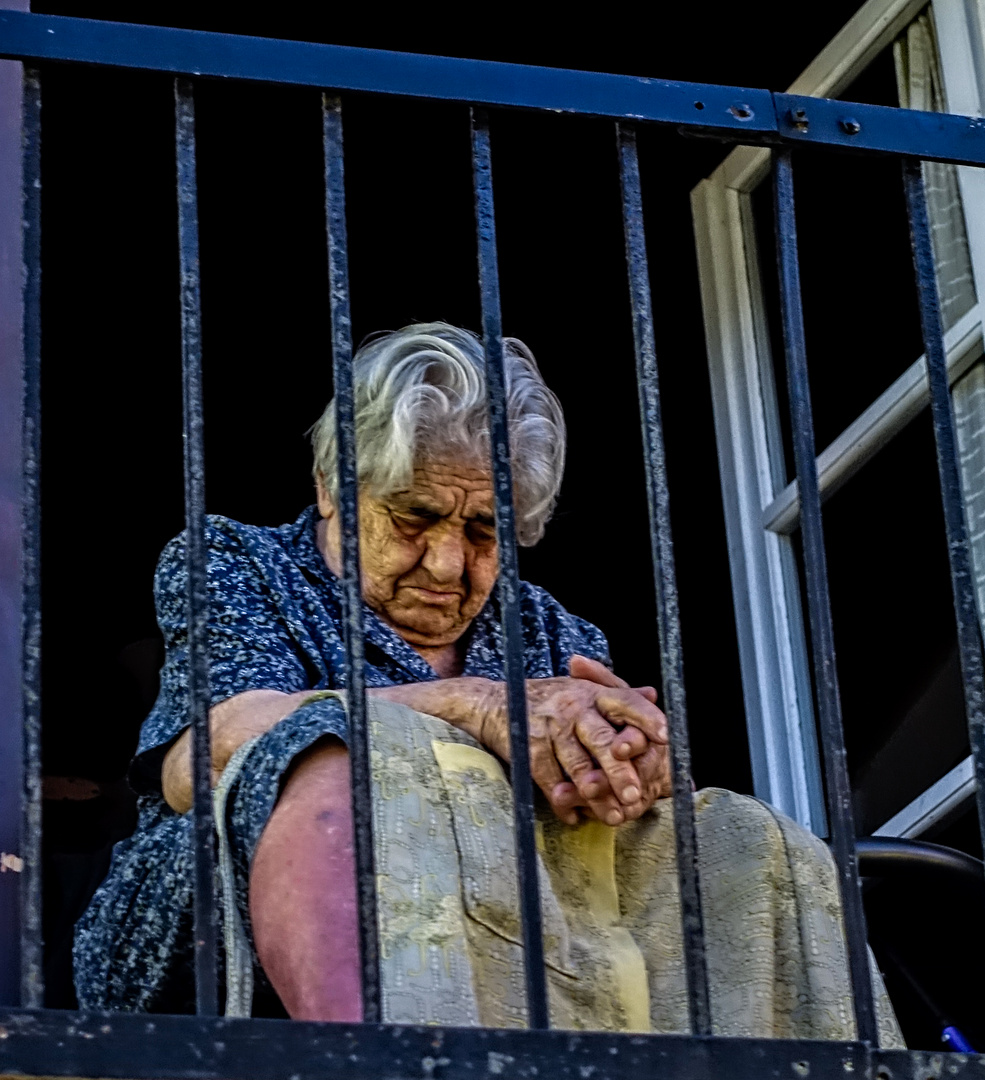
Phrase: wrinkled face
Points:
(429, 558)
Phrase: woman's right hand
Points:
(595, 742)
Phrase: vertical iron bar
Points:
(508, 583)
(839, 793)
(32, 974)
(955, 522)
(206, 986)
(662, 553)
(362, 811)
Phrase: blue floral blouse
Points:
(275, 623)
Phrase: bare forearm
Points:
(471, 704)
(231, 724)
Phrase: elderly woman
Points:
(438, 725)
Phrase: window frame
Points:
(761, 508)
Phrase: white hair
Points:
(421, 391)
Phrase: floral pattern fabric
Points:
(275, 622)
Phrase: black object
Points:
(891, 856)
(665, 581)
(906, 863)
(508, 583)
(838, 788)
(345, 426)
(199, 698)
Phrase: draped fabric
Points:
(275, 623)
(450, 935)
(921, 86)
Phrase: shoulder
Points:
(544, 616)
(228, 540)
(223, 542)
(222, 535)
(241, 560)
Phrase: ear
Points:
(325, 505)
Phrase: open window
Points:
(907, 781)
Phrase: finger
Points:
(597, 737)
(565, 802)
(628, 707)
(654, 771)
(606, 807)
(609, 811)
(592, 784)
(581, 667)
(545, 770)
(630, 743)
(576, 761)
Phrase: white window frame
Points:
(761, 510)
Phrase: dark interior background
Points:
(112, 428)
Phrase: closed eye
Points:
(412, 521)
(482, 530)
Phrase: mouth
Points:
(435, 596)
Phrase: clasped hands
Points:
(597, 745)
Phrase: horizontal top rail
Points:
(823, 121)
(343, 67)
(734, 113)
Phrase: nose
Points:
(444, 558)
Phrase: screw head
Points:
(849, 125)
(798, 118)
(741, 111)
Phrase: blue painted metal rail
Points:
(737, 113)
(34, 1042)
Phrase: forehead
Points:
(447, 486)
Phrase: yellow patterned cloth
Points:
(449, 923)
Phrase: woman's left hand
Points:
(585, 747)
(651, 760)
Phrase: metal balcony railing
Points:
(38, 1042)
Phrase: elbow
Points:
(176, 780)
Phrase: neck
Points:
(444, 659)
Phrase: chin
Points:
(425, 631)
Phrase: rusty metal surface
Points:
(945, 435)
(362, 811)
(665, 579)
(336, 67)
(180, 1048)
(32, 977)
(838, 787)
(743, 114)
(11, 513)
(206, 923)
(508, 582)
(117, 1047)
